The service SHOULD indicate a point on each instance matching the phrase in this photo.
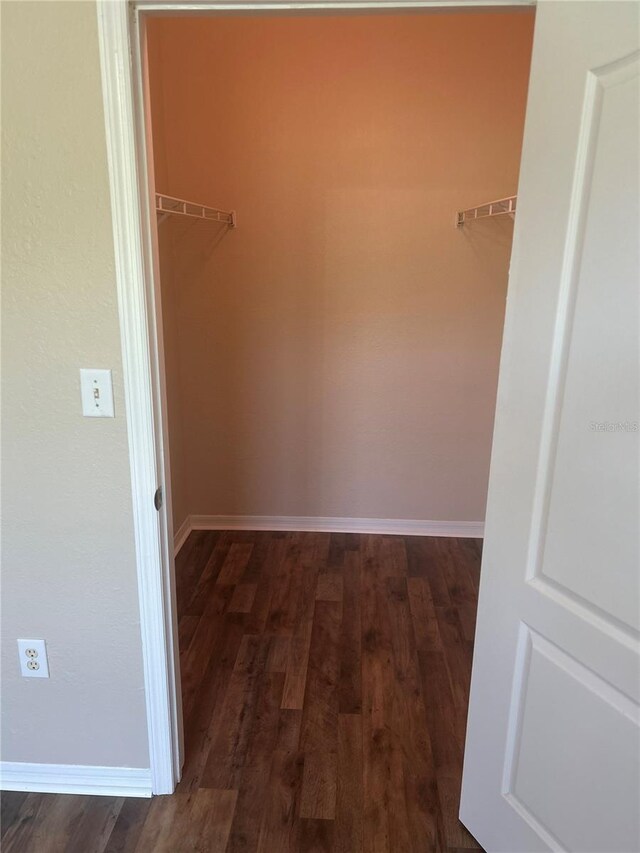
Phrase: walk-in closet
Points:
(335, 195)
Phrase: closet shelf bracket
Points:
(167, 205)
(499, 207)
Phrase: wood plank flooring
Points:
(325, 687)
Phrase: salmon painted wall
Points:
(337, 354)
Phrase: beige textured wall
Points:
(68, 567)
(337, 354)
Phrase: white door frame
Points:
(122, 51)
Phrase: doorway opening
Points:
(330, 360)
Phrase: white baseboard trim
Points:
(181, 534)
(75, 779)
(387, 526)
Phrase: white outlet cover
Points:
(33, 650)
(96, 389)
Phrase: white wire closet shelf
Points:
(499, 207)
(167, 205)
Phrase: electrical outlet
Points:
(33, 658)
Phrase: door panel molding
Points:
(534, 647)
(598, 81)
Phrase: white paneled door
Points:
(553, 752)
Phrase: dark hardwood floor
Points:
(325, 686)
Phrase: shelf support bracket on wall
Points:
(500, 207)
(167, 205)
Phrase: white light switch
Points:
(97, 393)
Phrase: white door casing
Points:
(121, 58)
(552, 759)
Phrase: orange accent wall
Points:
(336, 354)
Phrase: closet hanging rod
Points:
(499, 207)
(168, 205)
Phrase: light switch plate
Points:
(97, 393)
